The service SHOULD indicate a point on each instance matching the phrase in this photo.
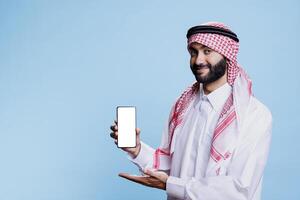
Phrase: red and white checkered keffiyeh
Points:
(232, 115)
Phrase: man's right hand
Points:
(133, 151)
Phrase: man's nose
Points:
(200, 59)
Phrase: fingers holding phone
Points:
(114, 133)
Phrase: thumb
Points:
(138, 131)
(151, 172)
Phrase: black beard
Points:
(215, 72)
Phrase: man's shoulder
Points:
(258, 122)
(259, 109)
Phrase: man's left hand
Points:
(153, 178)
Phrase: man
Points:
(216, 142)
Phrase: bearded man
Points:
(216, 141)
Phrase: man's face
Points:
(206, 64)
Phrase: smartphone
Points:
(126, 118)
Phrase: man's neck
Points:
(210, 87)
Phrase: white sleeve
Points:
(145, 157)
(244, 173)
(147, 154)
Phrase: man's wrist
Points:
(145, 156)
(136, 153)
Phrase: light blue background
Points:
(66, 65)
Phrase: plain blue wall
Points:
(66, 65)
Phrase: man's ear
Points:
(226, 61)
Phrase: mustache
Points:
(201, 65)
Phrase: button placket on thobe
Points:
(200, 134)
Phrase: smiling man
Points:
(216, 142)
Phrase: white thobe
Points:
(187, 169)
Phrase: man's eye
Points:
(207, 51)
(193, 52)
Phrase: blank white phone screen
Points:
(126, 126)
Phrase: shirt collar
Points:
(218, 97)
